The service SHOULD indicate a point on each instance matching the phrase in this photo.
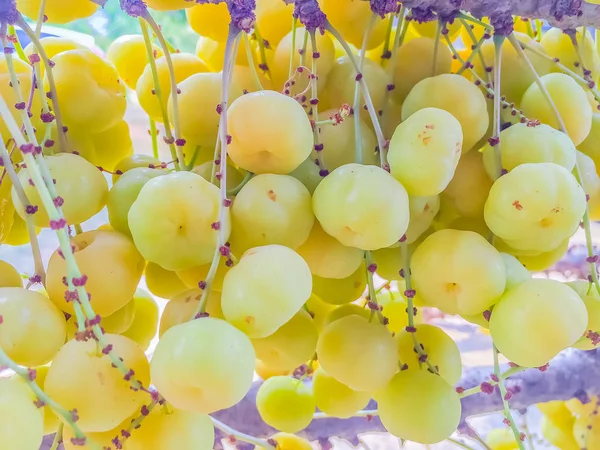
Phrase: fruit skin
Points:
(81, 185)
(291, 345)
(501, 439)
(184, 65)
(287, 441)
(169, 5)
(342, 340)
(336, 399)
(33, 329)
(145, 321)
(168, 230)
(571, 103)
(88, 90)
(210, 20)
(270, 133)
(21, 424)
(265, 289)
(285, 403)
(200, 353)
(473, 276)
(9, 276)
(183, 307)
(535, 207)
(58, 11)
(163, 283)
(338, 291)
(123, 194)
(128, 54)
(272, 209)
(591, 299)
(435, 407)
(439, 347)
(533, 312)
(175, 429)
(459, 97)
(424, 151)
(82, 377)
(348, 206)
(113, 267)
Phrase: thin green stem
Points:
(238, 188)
(314, 109)
(261, 443)
(180, 163)
(154, 136)
(507, 413)
(250, 57)
(470, 18)
(381, 142)
(57, 437)
(401, 29)
(40, 20)
(539, 26)
(477, 389)
(158, 92)
(17, 44)
(358, 155)
(362, 413)
(410, 309)
(263, 53)
(51, 81)
(373, 305)
(388, 36)
(438, 33)
(476, 50)
(293, 49)
(498, 41)
(459, 444)
(230, 47)
(586, 216)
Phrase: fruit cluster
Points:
(336, 167)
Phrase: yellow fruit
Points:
(291, 345)
(81, 376)
(533, 313)
(501, 439)
(348, 309)
(440, 348)
(544, 260)
(424, 151)
(197, 103)
(281, 60)
(133, 162)
(18, 234)
(336, 399)
(338, 291)
(349, 207)
(590, 144)
(473, 278)
(103, 438)
(435, 407)
(51, 420)
(429, 29)
(273, 19)
(265, 289)
(112, 267)
(9, 276)
(515, 74)
(88, 90)
(169, 5)
(559, 45)
(414, 62)
(515, 271)
(176, 429)
(285, 404)
(535, 207)
(81, 185)
(145, 320)
(21, 424)
(183, 307)
(200, 353)
(184, 65)
(343, 339)
(163, 283)
(129, 55)
(570, 101)
(459, 97)
(270, 133)
(287, 441)
(58, 11)
(191, 277)
(210, 20)
(213, 54)
(591, 299)
(351, 20)
(327, 257)
(168, 230)
(470, 185)
(33, 329)
(120, 320)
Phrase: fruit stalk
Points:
(179, 141)
(229, 431)
(314, 111)
(496, 141)
(57, 437)
(170, 140)
(356, 104)
(503, 392)
(250, 57)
